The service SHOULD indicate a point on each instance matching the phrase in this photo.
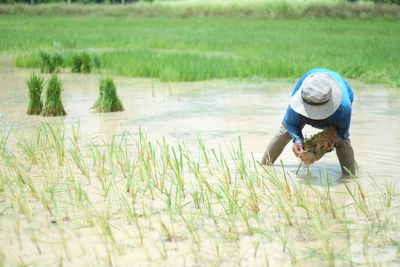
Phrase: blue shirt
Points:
(294, 122)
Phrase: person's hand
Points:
(297, 149)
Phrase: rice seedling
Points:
(96, 62)
(225, 203)
(5, 137)
(77, 155)
(2, 257)
(169, 235)
(177, 166)
(360, 199)
(102, 221)
(33, 237)
(98, 161)
(131, 214)
(30, 151)
(50, 62)
(53, 105)
(81, 62)
(54, 138)
(18, 233)
(128, 169)
(108, 100)
(327, 246)
(35, 87)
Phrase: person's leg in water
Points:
(276, 146)
(345, 154)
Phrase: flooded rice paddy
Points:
(210, 227)
(218, 112)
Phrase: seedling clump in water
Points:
(96, 62)
(81, 62)
(108, 100)
(53, 105)
(50, 63)
(35, 86)
(318, 145)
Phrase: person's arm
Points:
(343, 123)
(292, 121)
(293, 125)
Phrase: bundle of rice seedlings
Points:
(53, 105)
(318, 145)
(108, 100)
(81, 62)
(45, 61)
(35, 87)
(50, 63)
(96, 62)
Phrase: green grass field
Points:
(189, 49)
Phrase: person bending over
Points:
(321, 98)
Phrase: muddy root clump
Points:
(318, 145)
(108, 100)
(53, 105)
(35, 87)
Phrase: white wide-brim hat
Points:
(318, 97)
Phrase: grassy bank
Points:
(213, 48)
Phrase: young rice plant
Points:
(53, 105)
(50, 63)
(108, 100)
(81, 62)
(35, 87)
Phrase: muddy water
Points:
(219, 112)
